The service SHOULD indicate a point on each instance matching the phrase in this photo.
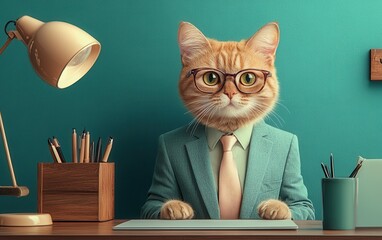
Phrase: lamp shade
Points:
(60, 53)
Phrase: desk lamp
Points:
(61, 54)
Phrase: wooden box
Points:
(76, 191)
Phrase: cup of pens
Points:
(339, 203)
(80, 188)
(339, 196)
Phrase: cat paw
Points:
(274, 209)
(175, 209)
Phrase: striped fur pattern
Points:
(228, 109)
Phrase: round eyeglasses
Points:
(211, 80)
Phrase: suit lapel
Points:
(258, 158)
(200, 161)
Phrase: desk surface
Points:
(103, 230)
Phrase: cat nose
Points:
(230, 89)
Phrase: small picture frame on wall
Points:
(376, 64)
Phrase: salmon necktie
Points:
(229, 183)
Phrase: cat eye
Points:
(247, 79)
(210, 80)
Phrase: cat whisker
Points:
(259, 109)
(209, 109)
(274, 114)
(200, 113)
(199, 101)
(282, 105)
(212, 113)
(278, 117)
(196, 105)
(274, 123)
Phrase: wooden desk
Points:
(103, 230)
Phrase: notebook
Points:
(239, 224)
(369, 209)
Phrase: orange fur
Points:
(230, 57)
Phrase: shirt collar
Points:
(242, 134)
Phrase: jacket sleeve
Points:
(164, 186)
(293, 190)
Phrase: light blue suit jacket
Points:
(183, 171)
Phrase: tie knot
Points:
(228, 141)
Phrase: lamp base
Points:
(25, 219)
(18, 191)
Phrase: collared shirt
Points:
(240, 151)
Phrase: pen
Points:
(74, 146)
(59, 150)
(107, 150)
(355, 171)
(324, 169)
(332, 165)
(92, 152)
(54, 152)
(327, 170)
(99, 149)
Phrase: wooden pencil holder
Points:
(76, 191)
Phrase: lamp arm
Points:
(11, 36)
(2, 130)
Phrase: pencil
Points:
(82, 148)
(51, 151)
(87, 147)
(107, 150)
(56, 143)
(56, 156)
(74, 146)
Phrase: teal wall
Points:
(131, 92)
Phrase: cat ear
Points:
(191, 42)
(265, 40)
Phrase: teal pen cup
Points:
(339, 203)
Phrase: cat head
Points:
(226, 85)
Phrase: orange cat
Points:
(228, 86)
(230, 57)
